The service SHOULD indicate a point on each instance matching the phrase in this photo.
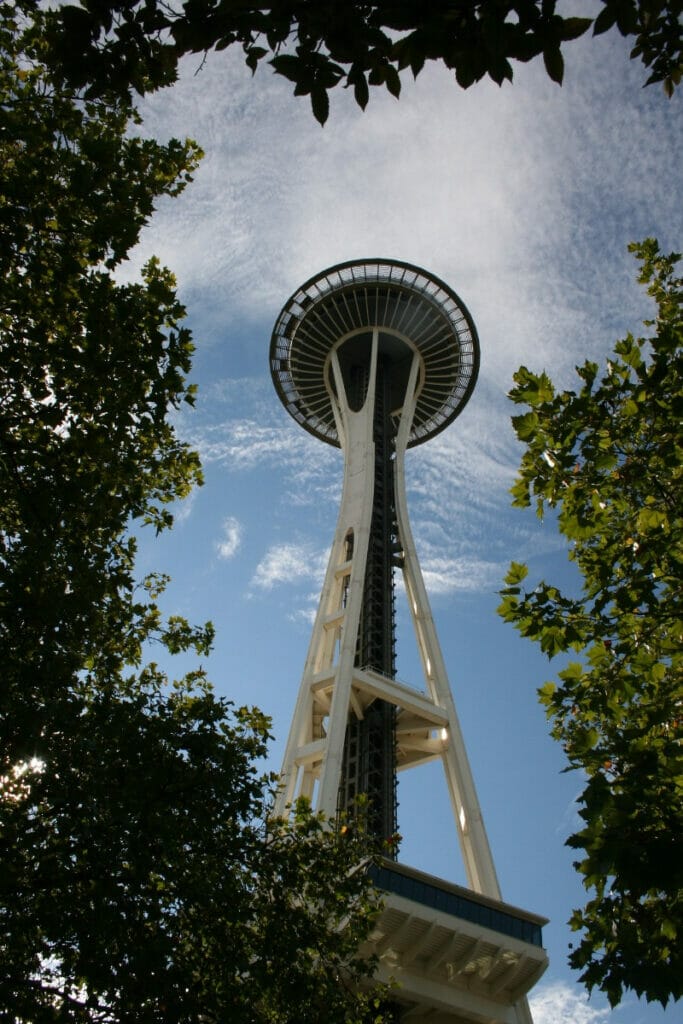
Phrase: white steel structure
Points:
(377, 356)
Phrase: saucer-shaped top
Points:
(351, 299)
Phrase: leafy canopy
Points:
(89, 369)
(142, 883)
(124, 44)
(609, 459)
(140, 879)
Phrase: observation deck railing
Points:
(460, 902)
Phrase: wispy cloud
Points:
(305, 616)
(231, 540)
(506, 193)
(558, 1003)
(289, 563)
(245, 443)
(448, 575)
(258, 439)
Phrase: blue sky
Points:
(523, 199)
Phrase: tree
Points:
(136, 44)
(142, 883)
(141, 880)
(608, 459)
(88, 368)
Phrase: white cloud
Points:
(507, 193)
(304, 615)
(246, 443)
(293, 563)
(249, 442)
(448, 575)
(232, 538)
(558, 1003)
(289, 563)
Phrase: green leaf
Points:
(573, 672)
(547, 692)
(516, 573)
(552, 640)
(649, 519)
(526, 425)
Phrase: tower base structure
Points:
(376, 357)
(455, 956)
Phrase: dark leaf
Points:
(573, 28)
(321, 104)
(289, 66)
(605, 19)
(360, 90)
(554, 63)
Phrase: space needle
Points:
(376, 356)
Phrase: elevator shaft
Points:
(369, 760)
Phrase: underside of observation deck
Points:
(400, 300)
(458, 958)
